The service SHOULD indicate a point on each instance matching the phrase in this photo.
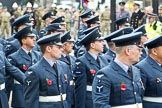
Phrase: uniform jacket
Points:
(121, 14)
(85, 70)
(12, 46)
(70, 90)
(136, 19)
(81, 51)
(112, 86)
(7, 68)
(23, 61)
(36, 84)
(151, 72)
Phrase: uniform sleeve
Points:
(101, 90)
(11, 60)
(14, 71)
(31, 89)
(80, 84)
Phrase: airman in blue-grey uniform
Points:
(53, 28)
(46, 82)
(119, 84)
(111, 53)
(48, 18)
(83, 26)
(13, 45)
(23, 59)
(122, 22)
(7, 68)
(18, 24)
(87, 67)
(144, 39)
(92, 21)
(151, 73)
(81, 48)
(122, 12)
(69, 59)
(61, 21)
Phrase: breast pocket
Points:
(24, 67)
(158, 82)
(124, 91)
(140, 86)
(52, 86)
(151, 87)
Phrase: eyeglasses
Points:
(140, 48)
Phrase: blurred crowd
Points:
(71, 16)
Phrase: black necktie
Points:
(55, 68)
(130, 72)
(98, 60)
(68, 58)
(29, 53)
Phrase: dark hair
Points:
(20, 39)
(88, 45)
(43, 47)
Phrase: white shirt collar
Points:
(64, 54)
(25, 50)
(49, 61)
(93, 55)
(122, 65)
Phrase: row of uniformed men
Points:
(48, 85)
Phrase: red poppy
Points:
(123, 87)
(158, 80)
(93, 72)
(25, 67)
(49, 82)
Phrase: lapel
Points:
(24, 54)
(91, 60)
(34, 58)
(119, 70)
(134, 73)
(153, 63)
(102, 62)
(47, 66)
(64, 59)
